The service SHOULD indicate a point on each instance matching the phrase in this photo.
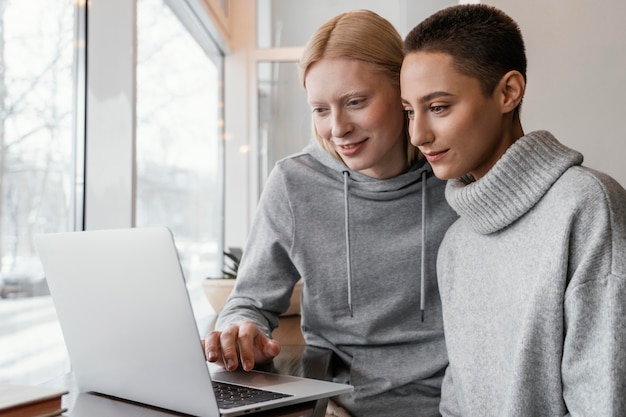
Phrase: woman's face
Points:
(457, 128)
(358, 111)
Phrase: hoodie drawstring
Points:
(423, 262)
(346, 174)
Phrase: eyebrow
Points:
(431, 96)
(345, 96)
(354, 93)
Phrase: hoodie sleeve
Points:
(594, 350)
(266, 275)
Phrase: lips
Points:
(349, 149)
(435, 156)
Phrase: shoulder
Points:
(599, 217)
(591, 201)
(591, 188)
(297, 161)
(300, 173)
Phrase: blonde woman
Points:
(359, 217)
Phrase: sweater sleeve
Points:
(266, 275)
(449, 405)
(594, 350)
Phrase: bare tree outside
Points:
(178, 160)
(178, 138)
(36, 55)
(36, 178)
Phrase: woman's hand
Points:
(239, 343)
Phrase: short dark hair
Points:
(484, 42)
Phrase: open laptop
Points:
(130, 330)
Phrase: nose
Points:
(419, 132)
(341, 124)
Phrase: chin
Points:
(357, 166)
(443, 174)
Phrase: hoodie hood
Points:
(376, 188)
(371, 186)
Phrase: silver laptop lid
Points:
(129, 327)
(114, 291)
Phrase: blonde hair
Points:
(361, 35)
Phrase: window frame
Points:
(110, 118)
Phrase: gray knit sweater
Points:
(533, 287)
(368, 314)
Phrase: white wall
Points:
(576, 75)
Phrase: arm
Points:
(264, 284)
(594, 351)
(449, 405)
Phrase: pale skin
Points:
(355, 109)
(459, 129)
(358, 110)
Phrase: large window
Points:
(39, 189)
(284, 114)
(179, 146)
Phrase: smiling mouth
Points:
(350, 149)
(435, 156)
(351, 145)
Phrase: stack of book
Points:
(30, 401)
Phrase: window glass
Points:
(284, 114)
(179, 147)
(38, 181)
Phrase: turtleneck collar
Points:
(514, 184)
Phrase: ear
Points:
(511, 89)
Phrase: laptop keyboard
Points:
(230, 395)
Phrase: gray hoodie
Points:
(364, 257)
(533, 286)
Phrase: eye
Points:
(355, 102)
(318, 110)
(438, 109)
(410, 114)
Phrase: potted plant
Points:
(217, 290)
